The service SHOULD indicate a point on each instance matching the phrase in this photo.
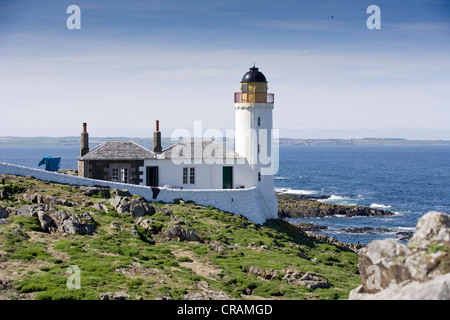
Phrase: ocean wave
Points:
(281, 178)
(294, 191)
(379, 206)
(340, 200)
(407, 228)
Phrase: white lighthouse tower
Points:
(254, 137)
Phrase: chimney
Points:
(84, 140)
(157, 139)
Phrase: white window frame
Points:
(189, 175)
(119, 174)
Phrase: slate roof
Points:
(198, 149)
(118, 150)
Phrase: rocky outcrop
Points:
(138, 207)
(403, 235)
(65, 223)
(119, 295)
(293, 277)
(206, 293)
(419, 270)
(177, 233)
(101, 192)
(294, 206)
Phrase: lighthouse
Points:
(253, 135)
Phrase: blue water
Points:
(407, 180)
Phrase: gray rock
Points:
(140, 208)
(63, 222)
(121, 193)
(206, 293)
(177, 233)
(101, 206)
(433, 227)
(313, 281)
(19, 234)
(106, 296)
(3, 213)
(134, 231)
(46, 222)
(32, 197)
(120, 204)
(386, 257)
(391, 270)
(90, 191)
(436, 289)
(120, 295)
(26, 211)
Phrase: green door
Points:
(227, 177)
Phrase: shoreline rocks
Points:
(296, 206)
(419, 270)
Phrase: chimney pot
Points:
(157, 139)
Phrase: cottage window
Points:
(188, 175)
(192, 176)
(259, 121)
(119, 175)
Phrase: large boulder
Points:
(432, 228)
(120, 204)
(435, 289)
(29, 210)
(177, 233)
(392, 270)
(139, 208)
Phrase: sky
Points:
(134, 62)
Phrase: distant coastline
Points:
(68, 141)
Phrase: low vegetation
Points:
(146, 264)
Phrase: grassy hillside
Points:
(233, 257)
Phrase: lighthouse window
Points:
(259, 176)
(259, 121)
(244, 87)
(259, 148)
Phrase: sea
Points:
(408, 180)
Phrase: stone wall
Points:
(247, 202)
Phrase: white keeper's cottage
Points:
(201, 165)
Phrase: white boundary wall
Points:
(247, 202)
